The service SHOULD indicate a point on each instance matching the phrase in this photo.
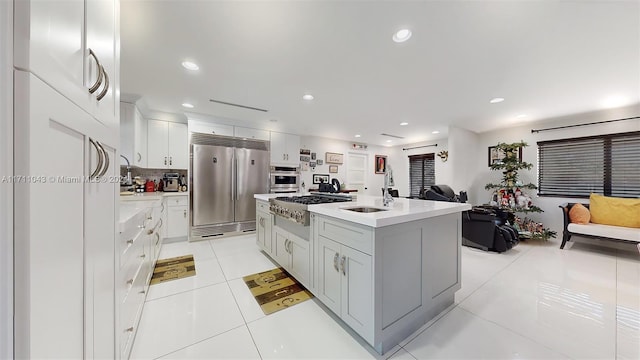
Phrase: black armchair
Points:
(443, 193)
(486, 229)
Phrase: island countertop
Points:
(401, 210)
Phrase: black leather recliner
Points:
(487, 229)
(443, 193)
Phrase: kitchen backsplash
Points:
(150, 174)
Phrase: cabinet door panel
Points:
(178, 221)
(100, 37)
(300, 267)
(277, 147)
(49, 258)
(280, 253)
(157, 144)
(139, 139)
(263, 233)
(328, 287)
(292, 149)
(357, 292)
(178, 146)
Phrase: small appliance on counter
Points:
(171, 182)
(139, 184)
(150, 186)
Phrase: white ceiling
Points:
(546, 58)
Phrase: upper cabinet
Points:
(71, 45)
(285, 149)
(247, 133)
(133, 135)
(210, 128)
(168, 145)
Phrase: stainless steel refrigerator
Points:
(225, 174)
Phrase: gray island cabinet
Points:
(383, 274)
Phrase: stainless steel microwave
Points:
(285, 179)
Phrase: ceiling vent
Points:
(237, 105)
(393, 136)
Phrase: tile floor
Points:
(535, 301)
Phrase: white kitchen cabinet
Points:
(62, 42)
(293, 254)
(65, 255)
(210, 128)
(248, 133)
(168, 145)
(177, 216)
(264, 224)
(285, 149)
(133, 135)
(346, 284)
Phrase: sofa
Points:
(598, 231)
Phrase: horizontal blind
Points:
(625, 166)
(606, 164)
(421, 173)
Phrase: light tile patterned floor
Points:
(535, 301)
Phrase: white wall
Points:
(399, 161)
(463, 145)
(318, 145)
(6, 189)
(552, 216)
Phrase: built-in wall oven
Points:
(285, 179)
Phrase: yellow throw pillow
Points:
(579, 214)
(614, 211)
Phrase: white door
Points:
(178, 221)
(49, 218)
(178, 146)
(300, 266)
(357, 172)
(329, 276)
(357, 291)
(158, 144)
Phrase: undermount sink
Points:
(365, 209)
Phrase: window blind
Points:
(422, 173)
(607, 164)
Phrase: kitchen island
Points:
(383, 271)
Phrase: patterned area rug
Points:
(275, 290)
(173, 268)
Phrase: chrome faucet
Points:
(127, 180)
(388, 181)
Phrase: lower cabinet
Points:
(264, 225)
(293, 254)
(346, 284)
(177, 216)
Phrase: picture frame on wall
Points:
(333, 169)
(319, 162)
(496, 155)
(381, 164)
(334, 158)
(320, 178)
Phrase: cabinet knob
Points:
(130, 241)
(165, 160)
(129, 329)
(185, 214)
(149, 232)
(130, 281)
(143, 256)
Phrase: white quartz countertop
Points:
(401, 210)
(156, 195)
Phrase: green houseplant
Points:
(509, 194)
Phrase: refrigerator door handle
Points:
(235, 163)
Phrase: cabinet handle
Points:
(286, 245)
(106, 160)
(96, 85)
(129, 329)
(335, 262)
(95, 172)
(143, 256)
(139, 157)
(130, 281)
(106, 86)
(149, 232)
(142, 292)
(165, 160)
(170, 160)
(130, 242)
(343, 265)
(185, 214)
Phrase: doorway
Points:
(356, 172)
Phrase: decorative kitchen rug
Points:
(275, 290)
(173, 268)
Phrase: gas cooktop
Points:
(313, 199)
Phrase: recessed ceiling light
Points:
(307, 97)
(388, 140)
(190, 65)
(188, 106)
(404, 123)
(357, 135)
(435, 132)
(402, 35)
(496, 100)
(521, 116)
